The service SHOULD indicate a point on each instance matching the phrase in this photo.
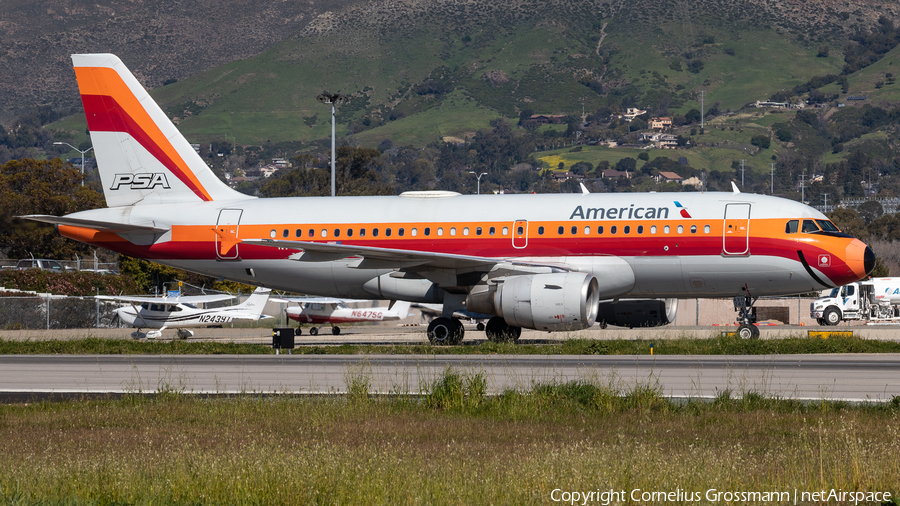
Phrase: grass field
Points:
(445, 444)
(715, 345)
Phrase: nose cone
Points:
(860, 258)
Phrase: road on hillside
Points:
(837, 377)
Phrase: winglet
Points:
(735, 188)
(584, 188)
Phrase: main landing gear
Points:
(445, 331)
(314, 331)
(498, 331)
(747, 316)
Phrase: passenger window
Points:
(414, 232)
(285, 233)
(587, 230)
(627, 229)
(540, 230)
(452, 230)
(600, 230)
(680, 229)
(492, 231)
(792, 227)
(298, 233)
(705, 229)
(810, 227)
(505, 230)
(440, 231)
(427, 231)
(640, 229)
(273, 233)
(520, 230)
(560, 231)
(693, 229)
(337, 232)
(400, 232)
(374, 232)
(666, 229)
(574, 230)
(349, 232)
(652, 229)
(312, 233)
(324, 233)
(362, 232)
(387, 232)
(466, 231)
(612, 230)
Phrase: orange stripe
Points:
(104, 81)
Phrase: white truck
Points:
(873, 301)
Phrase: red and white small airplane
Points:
(158, 313)
(329, 310)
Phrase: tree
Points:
(41, 187)
(849, 222)
(870, 210)
(645, 156)
(692, 116)
(760, 141)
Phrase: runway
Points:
(802, 377)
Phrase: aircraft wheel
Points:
(313, 331)
(832, 316)
(498, 331)
(480, 326)
(335, 331)
(441, 331)
(748, 332)
(298, 331)
(458, 332)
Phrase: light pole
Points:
(332, 98)
(82, 156)
(479, 180)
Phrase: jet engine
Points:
(638, 312)
(558, 301)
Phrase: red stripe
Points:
(104, 114)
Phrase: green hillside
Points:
(420, 74)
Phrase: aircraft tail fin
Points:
(400, 309)
(141, 156)
(257, 301)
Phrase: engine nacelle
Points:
(638, 312)
(558, 301)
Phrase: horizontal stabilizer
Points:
(97, 225)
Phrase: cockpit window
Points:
(810, 227)
(792, 227)
(827, 226)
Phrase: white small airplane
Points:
(329, 310)
(158, 313)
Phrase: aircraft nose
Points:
(860, 258)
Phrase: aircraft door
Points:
(736, 230)
(520, 234)
(227, 234)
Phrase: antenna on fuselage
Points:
(735, 188)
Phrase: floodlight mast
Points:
(332, 99)
(82, 156)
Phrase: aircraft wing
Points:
(387, 258)
(189, 299)
(316, 300)
(98, 225)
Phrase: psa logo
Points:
(824, 260)
(140, 181)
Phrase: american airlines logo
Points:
(140, 181)
(620, 213)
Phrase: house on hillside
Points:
(610, 173)
(565, 176)
(548, 119)
(632, 113)
(668, 177)
(661, 123)
(660, 140)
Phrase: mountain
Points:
(419, 70)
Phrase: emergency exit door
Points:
(227, 229)
(736, 230)
(520, 234)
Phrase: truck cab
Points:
(843, 303)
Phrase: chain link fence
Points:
(56, 313)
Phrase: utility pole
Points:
(802, 189)
(701, 113)
(772, 184)
(826, 202)
(742, 173)
(479, 180)
(332, 99)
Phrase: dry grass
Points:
(450, 445)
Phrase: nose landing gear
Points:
(743, 304)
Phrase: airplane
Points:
(549, 262)
(162, 312)
(330, 310)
